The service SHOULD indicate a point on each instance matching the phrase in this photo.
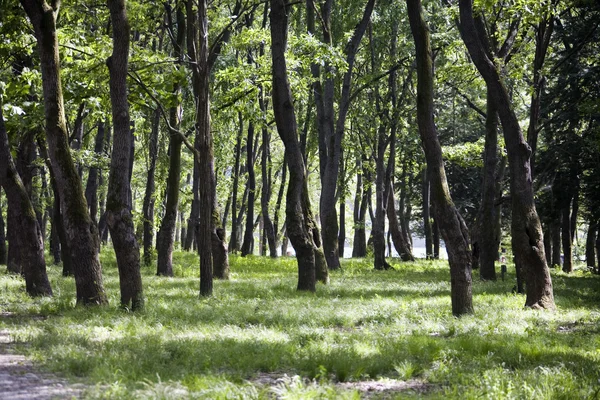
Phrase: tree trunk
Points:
(249, 231)
(567, 244)
(81, 231)
(359, 249)
(166, 234)
(280, 194)
(3, 252)
(149, 198)
(556, 244)
(91, 188)
(548, 243)
(488, 240)
(378, 231)
(233, 242)
(190, 240)
(269, 230)
(590, 251)
(426, 216)
(400, 244)
(451, 224)
(118, 200)
(526, 231)
(299, 222)
(27, 238)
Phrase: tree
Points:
(451, 224)
(300, 224)
(80, 229)
(28, 239)
(526, 230)
(118, 202)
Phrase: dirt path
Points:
(20, 380)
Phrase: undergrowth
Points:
(257, 337)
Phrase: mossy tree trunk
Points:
(450, 222)
(80, 229)
(118, 202)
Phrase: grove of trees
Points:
(241, 126)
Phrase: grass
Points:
(366, 325)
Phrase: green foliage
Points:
(258, 337)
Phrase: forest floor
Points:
(369, 334)
(21, 380)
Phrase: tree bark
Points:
(378, 231)
(526, 231)
(81, 231)
(28, 238)
(451, 224)
(556, 244)
(149, 198)
(118, 202)
(266, 183)
(299, 222)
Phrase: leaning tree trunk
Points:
(28, 235)
(118, 202)
(81, 231)
(526, 230)
(299, 222)
(450, 222)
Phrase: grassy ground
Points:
(259, 338)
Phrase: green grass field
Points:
(259, 338)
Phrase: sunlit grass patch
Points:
(365, 326)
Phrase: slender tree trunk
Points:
(190, 240)
(280, 194)
(118, 202)
(265, 197)
(378, 230)
(28, 237)
(451, 224)
(590, 251)
(91, 188)
(249, 231)
(567, 244)
(359, 248)
(548, 243)
(299, 220)
(426, 216)
(81, 231)
(526, 231)
(3, 252)
(233, 242)
(488, 241)
(149, 198)
(166, 234)
(556, 244)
